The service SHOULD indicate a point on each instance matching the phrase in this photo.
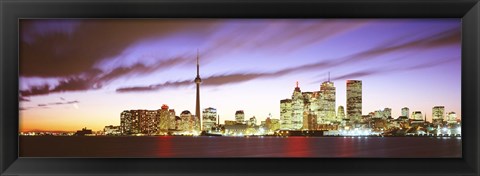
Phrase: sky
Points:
(85, 72)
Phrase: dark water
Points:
(176, 146)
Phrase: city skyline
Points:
(140, 79)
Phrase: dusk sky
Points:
(84, 73)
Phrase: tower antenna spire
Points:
(328, 76)
(198, 64)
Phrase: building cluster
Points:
(154, 122)
(316, 111)
(164, 121)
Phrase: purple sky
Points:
(76, 73)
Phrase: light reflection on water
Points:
(194, 147)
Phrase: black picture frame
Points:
(12, 10)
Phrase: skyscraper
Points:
(438, 114)
(286, 114)
(327, 102)
(187, 121)
(198, 81)
(354, 100)
(297, 108)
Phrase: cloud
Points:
(445, 38)
(75, 50)
(46, 51)
(448, 37)
(391, 69)
(96, 79)
(271, 36)
(22, 98)
(47, 105)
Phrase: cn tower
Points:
(198, 81)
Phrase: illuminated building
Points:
(307, 110)
(148, 121)
(311, 121)
(112, 130)
(405, 112)
(252, 121)
(186, 121)
(240, 116)
(354, 100)
(172, 121)
(378, 114)
(209, 118)
(272, 124)
(236, 129)
(417, 116)
(438, 114)
(166, 119)
(387, 113)
(286, 114)
(297, 108)
(128, 125)
(451, 117)
(341, 112)
(139, 122)
(230, 122)
(327, 102)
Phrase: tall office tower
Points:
(209, 118)
(354, 100)
(186, 121)
(405, 112)
(438, 114)
(451, 117)
(309, 107)
(198, 81)
(286, 114)
(387, 113)
(341, 113)
(172, 121)
(417, 115)
(297, 108)
(163, 117)
(240, 116)
(327, 102)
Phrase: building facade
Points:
(438, 114)
(240, 116)
(297, 109)
(209, 118)
(354, 100)
(327, 103)
(405, 112)
(286, 114)
(341, 112)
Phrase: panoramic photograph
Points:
(230, 88)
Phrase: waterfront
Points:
(204, 146)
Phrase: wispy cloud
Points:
(446, 38)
